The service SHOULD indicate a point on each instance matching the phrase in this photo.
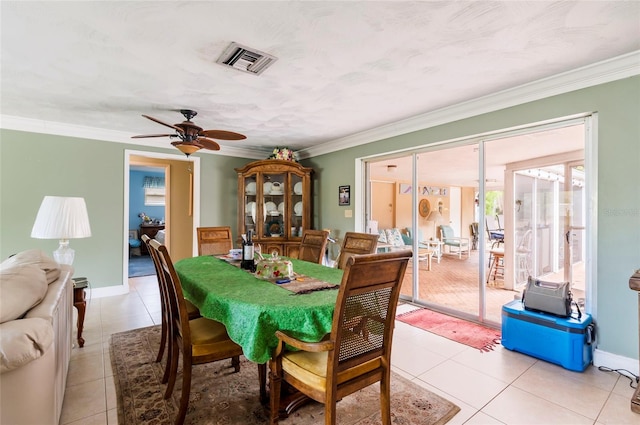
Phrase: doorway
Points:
(147, 200)
(182, 201)
(448, 176)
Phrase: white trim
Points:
(195, 162)
(614, 361)
(108, 291)
(30, 125)
(591, 188)
(589, 120)
(591, 75)
(358, 197)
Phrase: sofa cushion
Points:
(46, 309)
(22, 341)
(37, 257)
(22, 286)
(394, 237)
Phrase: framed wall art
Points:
(344, 195)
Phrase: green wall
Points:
(33, 165)
(617, 198)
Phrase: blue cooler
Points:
(563, 341)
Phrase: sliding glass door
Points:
(483, 215)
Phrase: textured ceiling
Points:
(342, 68)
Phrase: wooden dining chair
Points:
(199, 340)
(357, 352)
(313, 245)
(192, 310)
(356, 244)
(214, 240)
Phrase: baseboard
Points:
(614, 361)
(108, 291)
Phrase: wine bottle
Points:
(247, 262)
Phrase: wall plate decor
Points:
(424, 207)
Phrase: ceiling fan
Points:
(192, 137)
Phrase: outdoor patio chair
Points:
(449, 239)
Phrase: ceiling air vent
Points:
(246, 59)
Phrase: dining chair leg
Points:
(275, 386)
(235, 362)
(262, 378)
(385, 398)
(186, 388)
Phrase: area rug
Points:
(459, 330)
(141, 265)
(220, 396)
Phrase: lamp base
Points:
(64, 254)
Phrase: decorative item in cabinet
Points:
(274, 201)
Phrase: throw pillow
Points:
(394, 237)
(22, 286)
(382, 238)
(37, 257)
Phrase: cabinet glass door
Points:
(273, 198)
(297, 206)
(250, 204)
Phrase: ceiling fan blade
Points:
(222, 135)
(152, 135)
(208, 144)
(178, 129)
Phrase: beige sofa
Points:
(35, 338)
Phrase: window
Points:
(154, 196)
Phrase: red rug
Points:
(462, 331)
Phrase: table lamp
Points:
(62, 218)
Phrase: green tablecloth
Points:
(253, 309)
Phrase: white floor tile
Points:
(466, 384)
(499, 387)
(515, 406)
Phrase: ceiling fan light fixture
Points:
(186, 148)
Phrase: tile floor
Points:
(500, 387)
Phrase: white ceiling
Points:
(343, 67)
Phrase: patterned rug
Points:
(459, 330)
(219, 396)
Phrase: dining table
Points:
(253, 309)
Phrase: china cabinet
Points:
(274, 202)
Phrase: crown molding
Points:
(10, 122)
(591, 75)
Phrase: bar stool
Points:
(496, 263)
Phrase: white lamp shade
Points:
(61, 218)
(435, 216)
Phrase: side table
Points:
(437, 247)
(80, 303)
